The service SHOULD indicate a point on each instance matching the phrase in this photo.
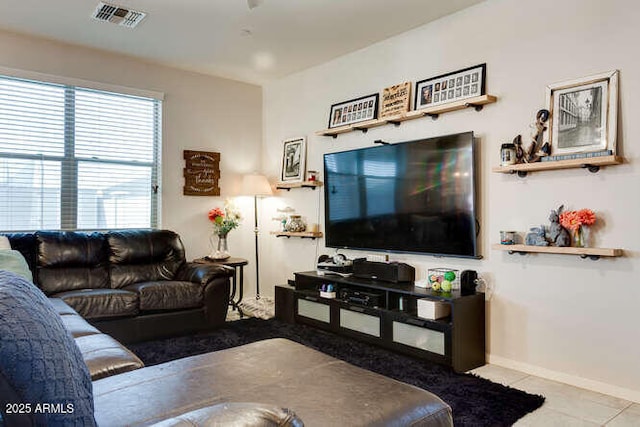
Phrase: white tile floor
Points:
(565, 405)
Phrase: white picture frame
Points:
(584, 114)
(294, 159)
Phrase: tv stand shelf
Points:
(457, 340)
(476, 103)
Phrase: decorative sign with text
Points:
(395, 100)
(201, 173)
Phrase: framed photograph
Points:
(353, 111)
(294, 158)
(584, 114)
(451, 87)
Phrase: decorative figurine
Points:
(557, 233)
(517, 141)
(536, 237)
(536, 150)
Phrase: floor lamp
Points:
(257, 186)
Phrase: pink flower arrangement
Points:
(573, 220)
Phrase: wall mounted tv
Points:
(416, 197)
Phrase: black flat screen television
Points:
(416, 197)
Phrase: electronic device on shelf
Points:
(338, 264)
(367, 298)
(394, 272)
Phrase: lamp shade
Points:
(256, 185)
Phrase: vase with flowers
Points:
(223, 220)
(577, 222)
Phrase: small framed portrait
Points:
(354, 110)
(584, 114)
(294, 158)
(451, 87)
(426, 96)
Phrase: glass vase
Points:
(578, 237)
(219, 247)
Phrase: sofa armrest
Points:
(215, 280)
(202, 273)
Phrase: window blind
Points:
(77, 158)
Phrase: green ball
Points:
(450, 276)
(446, 286)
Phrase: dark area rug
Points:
(475, 401)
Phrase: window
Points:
(76, 158)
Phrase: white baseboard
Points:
(597, 386)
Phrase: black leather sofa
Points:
(133, 285)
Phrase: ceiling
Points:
(225, 37)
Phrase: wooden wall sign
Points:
(201, 173)
(395, 100)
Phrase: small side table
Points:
(237, 281)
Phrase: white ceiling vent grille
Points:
(117, 15)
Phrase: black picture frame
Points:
(465, 83)
(354, 111)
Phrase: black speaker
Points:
(386, 271)
(468, 282)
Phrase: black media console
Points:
(457, 340)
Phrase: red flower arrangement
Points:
(224, 220)
(573, 220)
(216, 215)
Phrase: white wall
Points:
(200, 113)
(558, 316)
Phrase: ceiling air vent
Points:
(117, 15)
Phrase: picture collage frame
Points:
(354, 111)
(450, 87)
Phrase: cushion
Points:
(105, 356)
(13, 261)
(77, 326)
(168, 295)
(143, 256)
(236, 414)
(71, 260)
(61, 307)
(4, 242)
(101, 303)
(39, 359)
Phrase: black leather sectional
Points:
(133, 285)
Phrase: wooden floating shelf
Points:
(476, 102)
(582, 252)
(302, 234)
(560, 164)
(304, 184)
